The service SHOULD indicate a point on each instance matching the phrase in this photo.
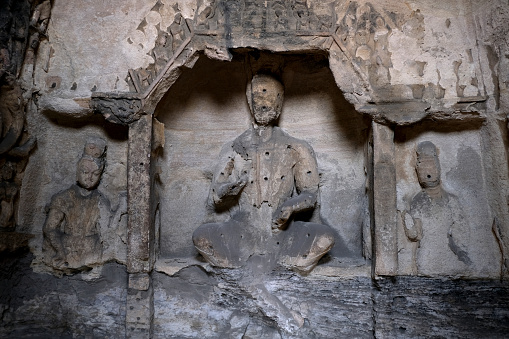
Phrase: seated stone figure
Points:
(72, 238)
(265, 178)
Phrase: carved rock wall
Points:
(366, 83)
(376, 39)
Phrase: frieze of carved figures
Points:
(79, 224)
(267, 178)
(364, 33)
(435, 223)
(267, 16)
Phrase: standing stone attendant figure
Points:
(72, 238)
(435, 221)
(266, 179)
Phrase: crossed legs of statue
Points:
(230, 244)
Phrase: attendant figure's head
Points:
(427, 166)
(91, 164)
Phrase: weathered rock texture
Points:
(41, 305)
(381, 93)
(195, 303)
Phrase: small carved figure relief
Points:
(15, 146)
(209, 18)
(166, 45)
(266, 179)
(162, 51)
(435, 222)
(365, 33)
(38, 24)
(72, 232)
(265, 16)
(178, 31)
(14, 34)
(233, 11)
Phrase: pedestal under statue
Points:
(266, 179)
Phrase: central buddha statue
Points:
(266, 179)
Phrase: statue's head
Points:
(89, 173)
(266, 99)
(91, 164)
(427, 166)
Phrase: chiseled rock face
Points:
(35, 305)
(397, 109)
(197, 304)
(381, 51)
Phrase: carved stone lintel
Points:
(399, 113)
(120, 109)
(404, 113)
(265, 17)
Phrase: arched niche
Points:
(207, 107)
(358, 67)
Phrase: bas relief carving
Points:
(274, 16)
(269, 182)
(77, 229)
(166, 47)
(364, 33)
(15, 147)
(435, 223)
(23, 25)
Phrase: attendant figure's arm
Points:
(306, 182)
(51, 230)
(412, 227)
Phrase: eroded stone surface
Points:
(35, 305)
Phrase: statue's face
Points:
(428, 171)
(266, 99)
(88, 174)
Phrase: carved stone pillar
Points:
(127, 109)
(385, 210)
(138, 193)
(139, 235)
(139, 306)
